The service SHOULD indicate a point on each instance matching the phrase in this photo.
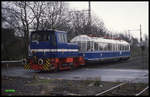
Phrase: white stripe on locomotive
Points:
(54, 50)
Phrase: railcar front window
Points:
(83, 47)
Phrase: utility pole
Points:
(129, 34)
(141, 52)
(89, 16)
(140, 35)
(141, 44)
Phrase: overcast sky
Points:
(119, 16)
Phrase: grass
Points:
(40, 82)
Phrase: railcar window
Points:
(95, 46)
(109, 46)
(100, 46)
(124, 47)
(121, 48)
(92, 46)
(112, 47)
(105, 46)
(118, 47)
(127, 47)
(115, 45)
(83, 47)
(88, 46)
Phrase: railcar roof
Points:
(98, 39)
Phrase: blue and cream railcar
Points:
(49, 50)
(100, 49)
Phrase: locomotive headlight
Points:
(24, 61)
(33, 52)
(40, 61)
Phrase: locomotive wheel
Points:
(56, 69)
(72, 66)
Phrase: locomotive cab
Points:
(42, 39)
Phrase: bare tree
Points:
(19, 18)
(23, 16)
(37, 9)
(80, 25)
(55, 16)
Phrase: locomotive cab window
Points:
(35, 37)
(40, 37)
(52, 38)
(62, 38)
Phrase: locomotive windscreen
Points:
(40, 36)
(43, 36)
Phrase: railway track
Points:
(119, 88)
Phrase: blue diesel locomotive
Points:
(50, 50)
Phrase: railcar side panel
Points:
(105, 55)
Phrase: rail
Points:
(121, 84)
(141, 91)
